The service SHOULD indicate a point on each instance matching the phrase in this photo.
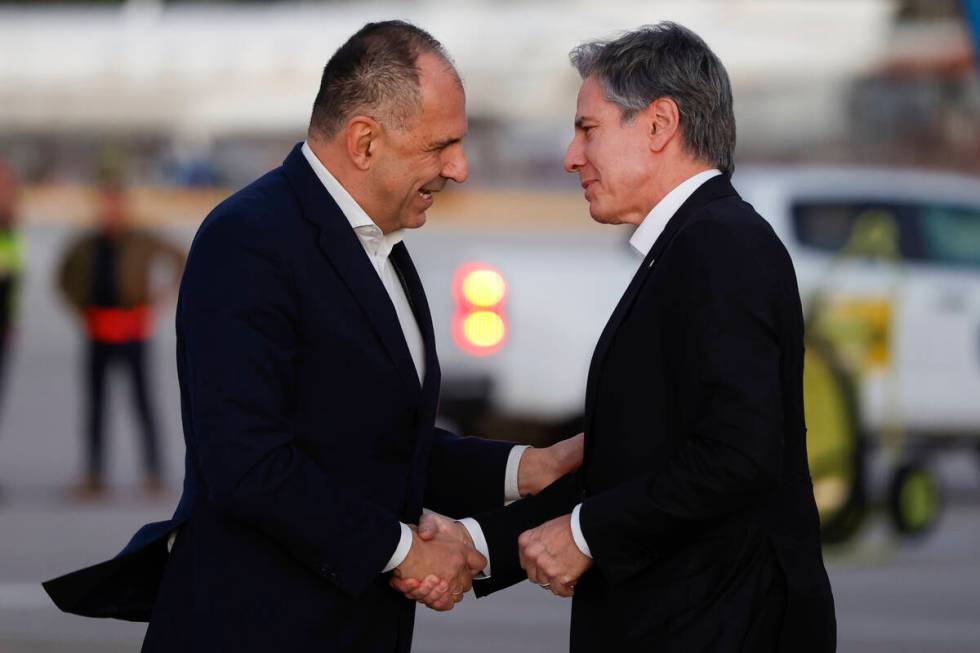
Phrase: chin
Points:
(415, 221)
(600, 216)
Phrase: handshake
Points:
(443, 559)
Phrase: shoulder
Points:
(262, 215)
(728, 248)
(729, 229)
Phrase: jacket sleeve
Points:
(173, 255)
(502, 527)
(732, 456)
(240, 341)
(69, 276)
(465, 476)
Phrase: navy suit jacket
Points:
(308, 438)
(696, 497)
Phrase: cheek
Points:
(630, 167)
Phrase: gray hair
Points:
(667, 60)
(375, 72)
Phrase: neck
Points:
(670, 176)
(333, 155)
(330, 154)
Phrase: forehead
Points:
(592, 102)
(443, 98)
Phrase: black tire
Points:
(915, 500)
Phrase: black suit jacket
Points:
(696, 497)
(308, 438)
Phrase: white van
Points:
(888, 262)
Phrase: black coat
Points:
(697, 503)
(308, 438)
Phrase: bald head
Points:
(376, 73)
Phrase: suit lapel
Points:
(340, 245)
(430, 386)
(420, 308)
(712, 189)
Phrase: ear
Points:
(363, 139)
(665, 120)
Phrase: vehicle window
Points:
(951, 235)
(865, 229)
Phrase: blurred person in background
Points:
(106, 276)
(11, 262)
(309, 386)
(692, 524)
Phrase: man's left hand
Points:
(551, 558)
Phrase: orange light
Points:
(484, 329)
(479, 324)
(484, 287)
(479, 285)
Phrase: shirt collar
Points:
(374, 241)
(656, 221)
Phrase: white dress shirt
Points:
(378, 245)
(642, 241)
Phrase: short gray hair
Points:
(375, 72)
(668, 60)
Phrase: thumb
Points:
(428, 528)
(475, 561)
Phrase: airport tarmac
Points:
(894, 597)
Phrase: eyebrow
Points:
(438, 145)
(582, 119)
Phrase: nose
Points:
(455, 166)
(574, 155)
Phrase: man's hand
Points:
(551, 558)
(540, 468)
(440, 566)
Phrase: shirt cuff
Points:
(401, 551)
(479, 542)
(577, 535)
(512, 491)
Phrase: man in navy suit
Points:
(309, 382)
(691, 525)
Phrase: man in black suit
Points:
(691, 525)
(309, 382)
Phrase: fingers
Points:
(426, 590)
(439, 598)
(440, 557)
(430, 589)
(404, 585)
(561, 589)
(563, 584)
(529, 550)
(443, 604)
(541, 566)
(463, 583)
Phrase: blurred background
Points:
(123, 122)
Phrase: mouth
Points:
(426, 195)
(586, 185)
